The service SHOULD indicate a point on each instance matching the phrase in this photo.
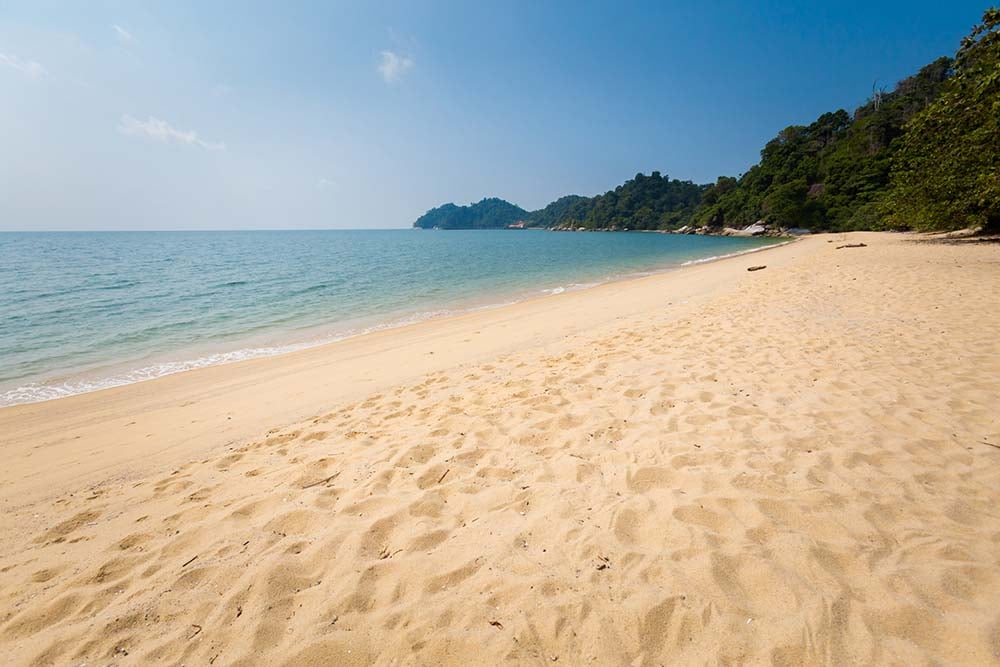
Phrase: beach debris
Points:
(197, 631)
(853, 245)
(443, 475)
(497, 624)
(990, 444)
(333, 621)
(757, 267)
(326, 480)
(189, 561)
(603, 563)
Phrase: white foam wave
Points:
(715, 258)
(35, 392)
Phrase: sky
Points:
(304, 115)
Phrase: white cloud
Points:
(28, 68)
(392, 65)
(123, 35)
(160, 130)
(325, 184)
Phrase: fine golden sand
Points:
(799, 465)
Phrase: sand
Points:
(799, 465)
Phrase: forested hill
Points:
(831, 174)
(645, 202)
(925, 155)
(489, 213)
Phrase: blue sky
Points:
(216, 115)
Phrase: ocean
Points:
(81, 311)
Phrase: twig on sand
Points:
(757, 268)
(322, 481)
(443, 475)
(197, 631)
(497, 624)
(853, 245)
(989, 444)
(193, 559)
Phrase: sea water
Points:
(88, 310)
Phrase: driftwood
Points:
(757, 268)
(322, 481)
(853, 245)
(193, 559)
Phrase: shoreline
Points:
(799, 465)
(161, 365)
(66, 421)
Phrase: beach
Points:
(797, 465)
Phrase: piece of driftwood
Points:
(853, 245)
(757, 268)
(322, 481)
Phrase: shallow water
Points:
(83, 311)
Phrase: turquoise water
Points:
(83, 311)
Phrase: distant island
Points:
(923, 156)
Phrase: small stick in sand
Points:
(757, 268)
(441, 478)
(322, 481)
(197, 630)
(853, 245)
(193, 558)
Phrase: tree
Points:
(946, 174)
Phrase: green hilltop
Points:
(925, 156)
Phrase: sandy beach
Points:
(799, 465)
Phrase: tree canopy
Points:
(925, 155)
(490, 213)
(946, 172)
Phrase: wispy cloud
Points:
(28, 68)
(123, 35)
(161, 131)
(325, 184)
(392, 66)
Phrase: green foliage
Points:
(645, 202)
(925, 155)
(946, 173)
(570, 207)
(827, 175)
(492, 213)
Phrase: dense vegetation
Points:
(946, 172)
(489, 213)
(645, 202)
(828, 175)
(925, 155)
